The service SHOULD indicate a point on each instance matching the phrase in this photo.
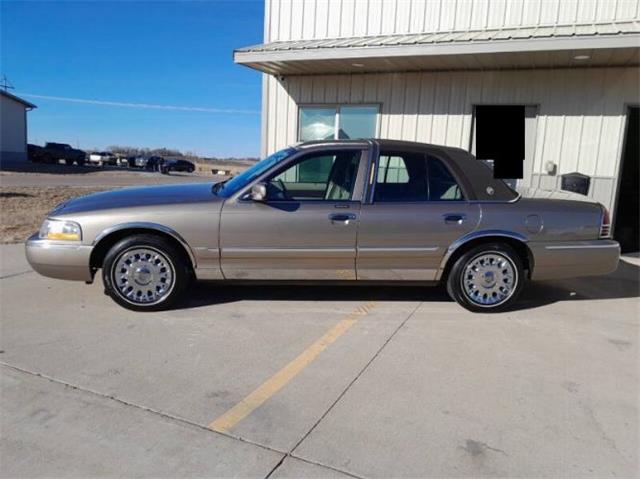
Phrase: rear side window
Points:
(414, 177)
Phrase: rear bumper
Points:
(65, 261)
(574, 259)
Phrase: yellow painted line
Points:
(228, 420)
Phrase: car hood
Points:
(138, 197)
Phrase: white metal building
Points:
(13, 128)
(554, 82)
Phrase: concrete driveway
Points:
(318, 382)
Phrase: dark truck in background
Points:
(53, 152)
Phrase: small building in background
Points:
(13, 129)
(538, 88)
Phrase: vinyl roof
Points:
(282, 56)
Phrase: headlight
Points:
(60, 230)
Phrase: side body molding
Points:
(474, 236)
(148, 226)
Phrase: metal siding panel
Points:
(425, 108)
(514, 13)
(586, 12)
(318, 89)
(272, 116)
(605, 11)
(389, 11)
(309, 19)
(396, 110)
(447, 15)
(568, 11)
(463, 15)
(441, 108)
(371, 88)
(373, 19)
(417, 16)
(456, 109)
(356, 93)
(284, 22)
(333, 21)
(549, 12)
(297, 20)
(432, 16)
(360, 18)
(403, 14)
(347, 17)
(282, 102)
(593, 107)
(627, 9)
(384, 97)
(331, 88)
(293, 87)
(497, 12)
(274, 24)
(410, 109)
(479, 14)
(531, 12)
(322, 19)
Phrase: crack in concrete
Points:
(11, 275)
(173, 418)
(348, 387)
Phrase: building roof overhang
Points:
(6, 94)
(602, 44)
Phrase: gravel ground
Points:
(22, 209)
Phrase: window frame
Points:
(376, 166)
(336, 122)
(359, 188)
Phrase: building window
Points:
(337, 122)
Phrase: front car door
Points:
(416, 209)
(305, 228)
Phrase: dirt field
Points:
(22, 209)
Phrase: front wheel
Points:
(145, 273)
(487, 278)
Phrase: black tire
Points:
(117, 281)
(68, 161)
(493, 290)
(81, 162)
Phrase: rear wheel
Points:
(145, 273)
(68, 161)
(487, 278)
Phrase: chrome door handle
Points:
(341, 217)
(454, 218)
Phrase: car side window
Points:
(442, 185)
(327, 176)
(414, 177)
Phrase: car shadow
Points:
(623, 283)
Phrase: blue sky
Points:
(160, 53)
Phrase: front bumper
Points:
(574, 259)
(63, 260)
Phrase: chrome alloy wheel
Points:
(489, 279)
(143, 276)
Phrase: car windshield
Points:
(231, 186)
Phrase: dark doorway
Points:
(628, 206)
(500, 137)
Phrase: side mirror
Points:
(258, 192)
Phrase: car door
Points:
(416, 210)
(305, 228)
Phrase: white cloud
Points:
(109, 103)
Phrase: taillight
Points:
(605, 226)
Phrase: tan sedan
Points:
(340, 212)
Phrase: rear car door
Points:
(305, 228)
(416, 209)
